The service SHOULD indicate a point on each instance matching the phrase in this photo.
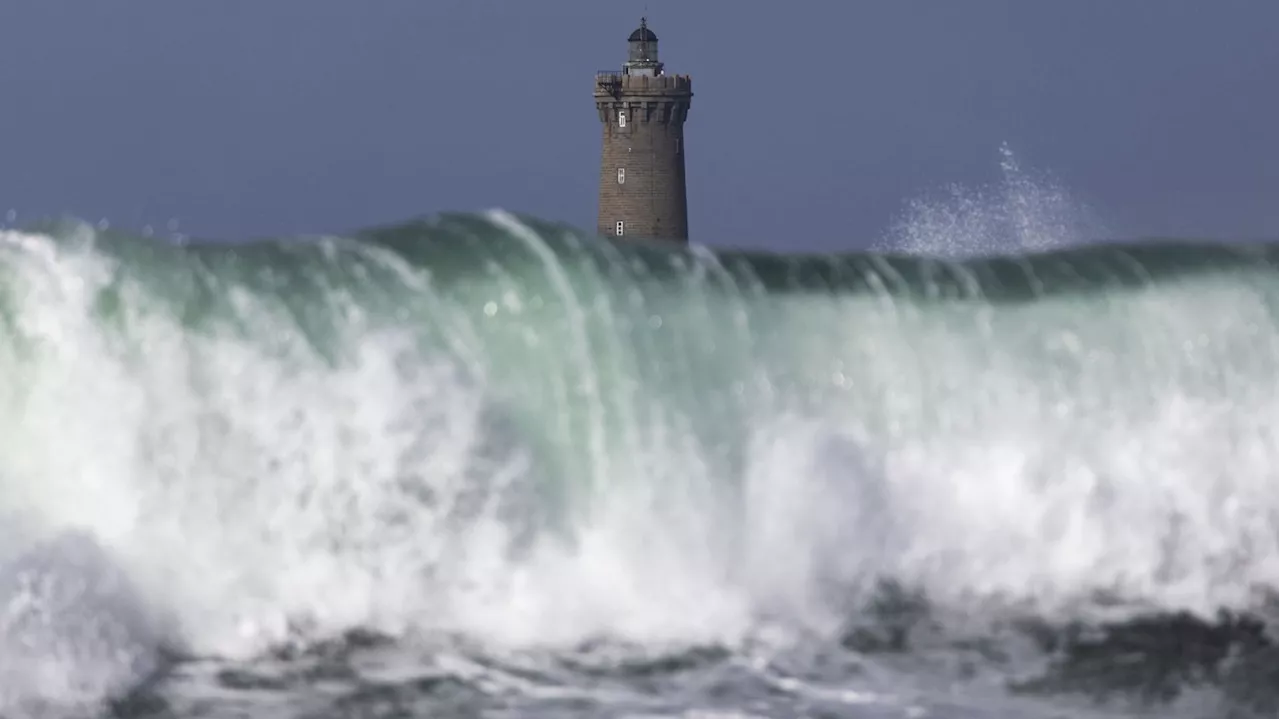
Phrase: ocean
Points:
(481, 465)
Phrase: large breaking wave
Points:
(489, 426)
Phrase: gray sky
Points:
(810, 128)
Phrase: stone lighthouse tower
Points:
(642, 186)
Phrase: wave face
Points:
(488, 427)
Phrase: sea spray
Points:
(1025, 211)
(73, 628)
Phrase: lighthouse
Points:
(642, 110)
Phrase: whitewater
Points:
(483, 465)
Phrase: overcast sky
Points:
(810, 128)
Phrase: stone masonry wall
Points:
(649, 149)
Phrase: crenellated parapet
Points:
(663, 99)
(610, 81)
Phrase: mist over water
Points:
(482, 461)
